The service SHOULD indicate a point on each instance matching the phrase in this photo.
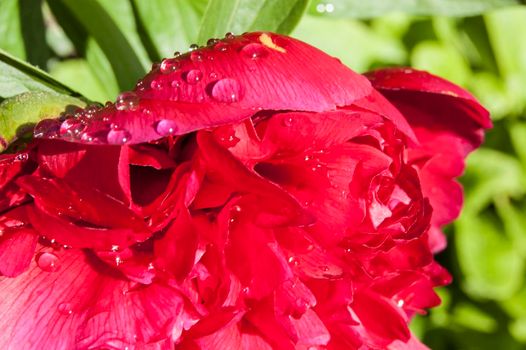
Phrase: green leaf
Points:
(505, 28)
(518, 139)
(491, 174)
(442, 60)
(78, 74)
(492, 267)
(375, 8)
(34, 32)
(471, 317)
(117, 48)
(365, 48)
(17, 77)
(18, 114)
(10, 29)
(238, 16)
(174, 28)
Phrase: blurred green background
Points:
(101, 47)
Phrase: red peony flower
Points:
(251, 194)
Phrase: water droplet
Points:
(196, 56)
(213, 75)
(254, 51)
(193, 76)
(22, 157)
(212, 41)
(287, 121)
(226, 90)
(90, 110)
(118, 260)
(400, 303)
(71, 127)
(293, 261)
(156, 84)
(221, 46)
(177, 54)
(229, 35)
(193, 47)
(325, 8)
(245, 290)
(47, 128)
(114, 248)
(175, 84)
(65, 308)
(166, 127)
(118, 136)
(127, 101)
(48, 262)
(169, 65)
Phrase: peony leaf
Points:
(375, 8)
(490, 174)
(18, 114)
(17, 77)
(492, 266)
(120, 52)
(238, 16)
(173, 28)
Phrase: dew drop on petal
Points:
(193, 47)
(213, 75)
(169, 65)
(127, 101)
(71, 127)
(226, 90)
(221, 46)
(65, 308)
(254, 51)
(118, 136)
(48, 262)
(166, 127)
(22, 157)
(156, 85)
(212, 41)
(293, 261)
(196, 56)
(177, 54)
(287, 121)
(47, 128)
(229, 35)
(193, 76)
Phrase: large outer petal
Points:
(78, 307)
(448, 122)
(225, 83)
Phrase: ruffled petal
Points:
(225, 82)
(82, 304)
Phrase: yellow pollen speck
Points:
(266, 40)
(450, 93)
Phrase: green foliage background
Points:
(100, 47)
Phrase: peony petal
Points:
(371, 308)
(80, 203)
(404, 80)
(441, 113)
(83, 305)
(67, 233)
(74, 163)
(17, 249)
(223, 83)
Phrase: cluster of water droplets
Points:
(82, 126)
(223, 89)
